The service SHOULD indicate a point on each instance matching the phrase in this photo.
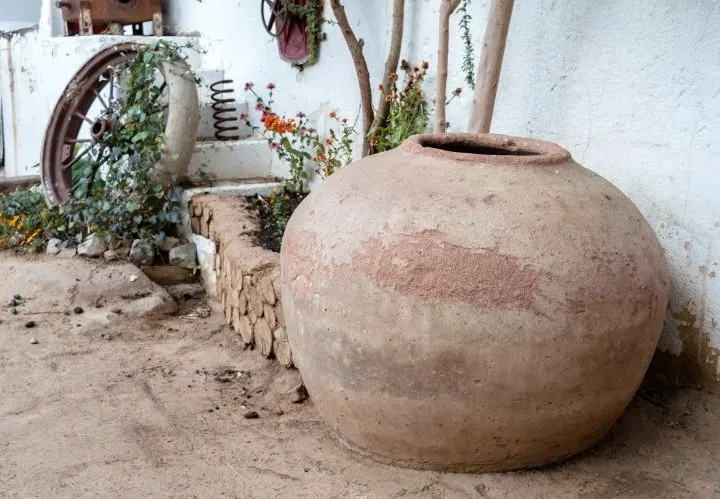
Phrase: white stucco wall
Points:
(632, 89)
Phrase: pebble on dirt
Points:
(34, 341)
(13, 311)
(251, 415)
(78, 310)
(30, 324)
(299, 394)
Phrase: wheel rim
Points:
(95, 87)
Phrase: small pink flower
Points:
(243, 116)
(260, 106)
(275, 146)
(300, 115)
(249, 85)
(270, 86)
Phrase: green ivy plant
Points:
(468, 63)
(128, 200)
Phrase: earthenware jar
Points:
(471, 302)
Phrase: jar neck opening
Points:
(487, 148)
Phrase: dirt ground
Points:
(108, 404)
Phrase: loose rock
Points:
(78, 310)
(299, 394)
(169, 243)
(34, 341)
(30, 324)
(13, 311)
(54, 246)
(142, 252)
(184, 256)
(251, 415)
(92, 247)
(110, 255)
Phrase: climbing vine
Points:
(129, 199)
(468, 63)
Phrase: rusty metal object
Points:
(224, 115)
(282, 20)
(87, 17)
(90, 108)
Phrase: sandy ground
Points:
(109, 405)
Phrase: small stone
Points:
(169, 243)
(78, 310)
(110, 255)
(263, 337)
(279, 412)
(116, 311)
(251, 415)
(18, 297)
(142, 252)
(184, 256)
(34, 341)
(299, 394)
(54, 246)
(133, 278)
(13, 311)
(92, 247)
(30, 324)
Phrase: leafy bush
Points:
(25, 218)
(299, 145)
(409, 114)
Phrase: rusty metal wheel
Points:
(273, 16)
(87, 110)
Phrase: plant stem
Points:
(447, 7)
(391, 65)
(363, 74)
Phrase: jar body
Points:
(471, 312)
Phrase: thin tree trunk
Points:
(447, 7)
(391, 65)
(488, 73)
(363, 74)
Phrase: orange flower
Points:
(332, 114)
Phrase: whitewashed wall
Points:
(632, 89)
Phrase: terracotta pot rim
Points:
(487, 148)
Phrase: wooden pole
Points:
(447, 7)
(488, 73)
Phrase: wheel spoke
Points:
(78, 141)
(82, 116)
(99, 97)
(78, 157)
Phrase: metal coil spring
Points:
(224, 114)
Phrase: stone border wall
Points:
(246, 274)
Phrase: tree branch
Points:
(447, 7)
(488, 73)
(391, 65)
(363, 74)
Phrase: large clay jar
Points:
(471, 302)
